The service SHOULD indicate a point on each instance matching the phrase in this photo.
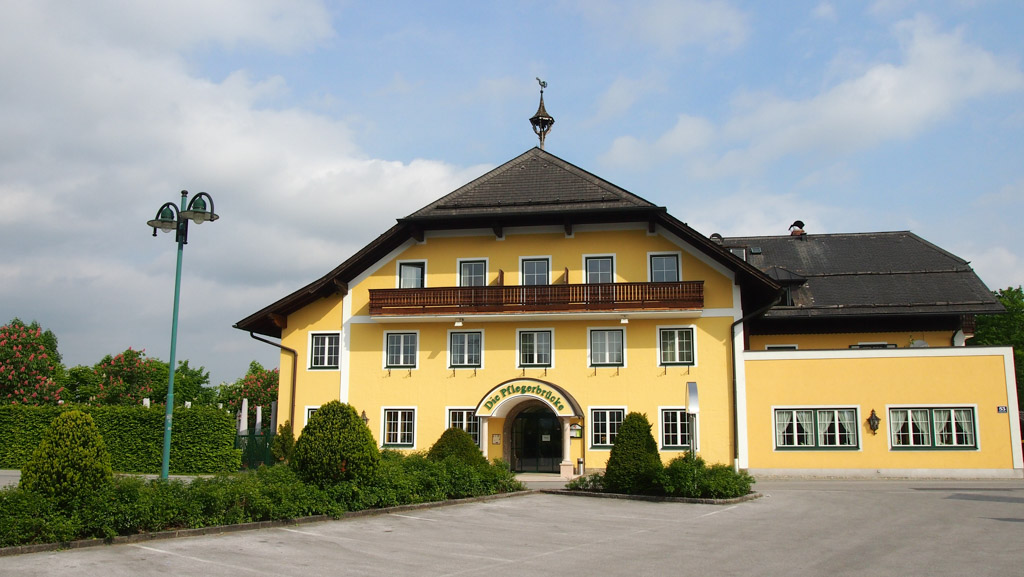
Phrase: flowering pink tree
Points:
(28, 365)
(128, 378)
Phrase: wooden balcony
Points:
(538, 299)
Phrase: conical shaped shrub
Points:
(336, 446)
(70, 463)
(459, 444)
(634, 462)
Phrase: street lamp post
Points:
(169, 217)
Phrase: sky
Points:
(313, 125)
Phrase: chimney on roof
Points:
(797, 228)
(542, 121)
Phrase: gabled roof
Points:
(867, 274)
(534, 182)
(535, 188)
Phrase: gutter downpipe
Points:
(732, 356)
(295, 368)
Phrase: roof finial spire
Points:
(542, 121)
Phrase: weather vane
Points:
(542, 121)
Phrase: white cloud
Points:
(672, 24)
(825, 11)
(105, 120)
(939, 72)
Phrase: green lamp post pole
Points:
(169, 218)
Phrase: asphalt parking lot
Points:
(797, 528)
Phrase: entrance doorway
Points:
(536, 441)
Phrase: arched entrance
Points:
(536, 440)
(528, 423)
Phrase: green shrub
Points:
(27, 517)
(591, 482)
(284, 443)
(722, 482)
(690, 477)
(71, 461)
(336, 446)
(457, 443)
(499, 478)
(634, 462)
(683, 477)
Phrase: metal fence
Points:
(256, 449)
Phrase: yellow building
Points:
(537, 305)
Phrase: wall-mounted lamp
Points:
(458, 322)
(873, 422)
(624, 320)
(366, 420)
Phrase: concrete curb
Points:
(219, 529)
(652, 498)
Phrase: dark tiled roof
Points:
(868, 274)
(533, 182)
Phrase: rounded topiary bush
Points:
(70, 463)
(336, 446)
(634, 463)
(459, 444)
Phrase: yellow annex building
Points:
(537, 305)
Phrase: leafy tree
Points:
(128, 378)
(259, 385)
(81, 383)
(634, 463)
(70, 463)
(188, 384)
(1005, 330)
(29, 363)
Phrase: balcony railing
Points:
(537, 299)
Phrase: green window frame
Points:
(607, 347)
(664, 268)
(675, 429)
(827, 428)
(466, 349)
(466, 420)
(535, 348)
(933, 428)
(399, 428)
(676, 346)
(604, 426)
(472, 273)
(401, 351)
(324, 349)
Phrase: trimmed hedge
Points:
(202, 440)
(130, 505)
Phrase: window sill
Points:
(324, 368)
(935, 448)
(817, 448)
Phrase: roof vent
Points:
(797, 228)
(716, 237)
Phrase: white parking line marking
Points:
(411, 517)
(191, 558)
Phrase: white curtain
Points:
(847, 427)
(826, 436)
(919, 426)
(805, 428)
(897, 419)
(943, 428)
(965, 425)
(782, 421)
